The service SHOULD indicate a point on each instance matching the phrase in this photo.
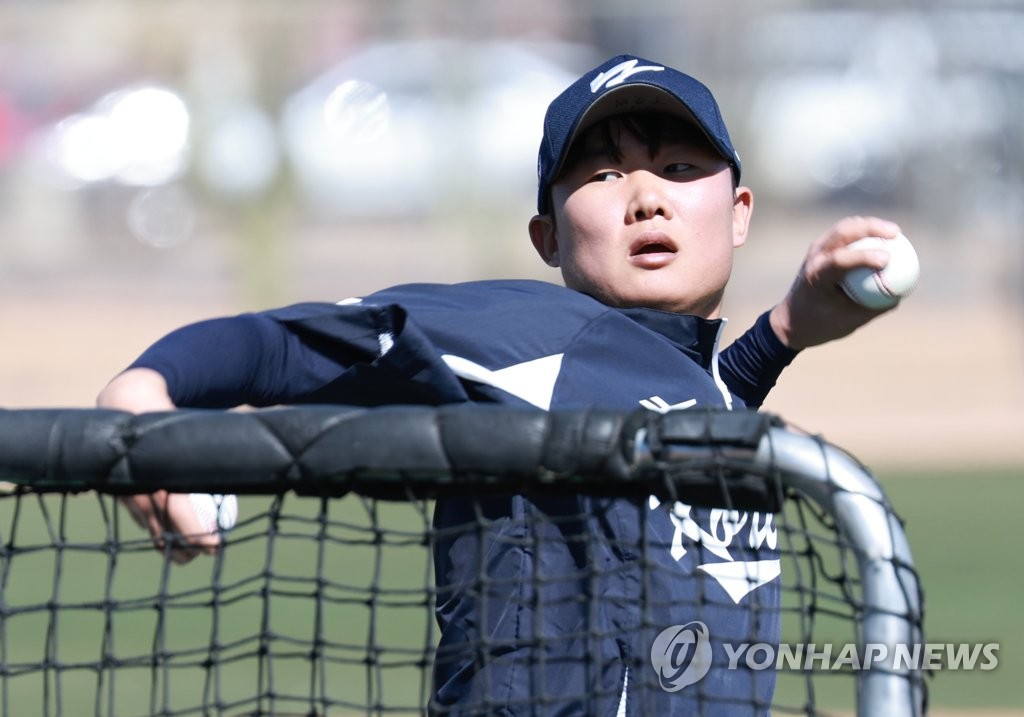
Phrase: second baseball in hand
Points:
(215, 511)
(883, 289)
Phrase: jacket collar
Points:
(693, 335)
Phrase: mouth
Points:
(652, 251)
(654, 248)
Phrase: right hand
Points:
(816, 310)
(165, 515)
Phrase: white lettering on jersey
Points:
(761, 534)
(659, 404)
(737, 577)
(533, 381)
(620, 73)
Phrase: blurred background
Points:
(166, 162)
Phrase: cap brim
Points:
(632, 98)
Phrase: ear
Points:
(742, 209)
(542, 234)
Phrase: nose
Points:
(647, 200)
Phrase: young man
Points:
(640, 207)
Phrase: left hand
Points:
(166, 516)
(169, 516)
(816, 310)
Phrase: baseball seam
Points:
(882, 286)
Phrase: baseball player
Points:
(640, 207)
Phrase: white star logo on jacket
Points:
(533, 381)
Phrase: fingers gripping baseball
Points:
(830, 258)
(816, 310)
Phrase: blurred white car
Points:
(893, 105)
(403, 126)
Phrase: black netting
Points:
(549, 598)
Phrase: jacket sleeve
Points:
(263, 359)
(752, 364)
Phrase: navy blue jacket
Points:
(527, 639)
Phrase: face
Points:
(641, 228)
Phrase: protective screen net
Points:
(695, 580)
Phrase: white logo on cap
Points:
(620, 73)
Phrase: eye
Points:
(680, 168)
(605, 176)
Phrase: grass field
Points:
(152, 654)
(963, 529)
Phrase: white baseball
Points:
(883, 289)
(215, 511)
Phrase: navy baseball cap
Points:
(626, 84)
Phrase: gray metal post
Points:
(892, 610)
